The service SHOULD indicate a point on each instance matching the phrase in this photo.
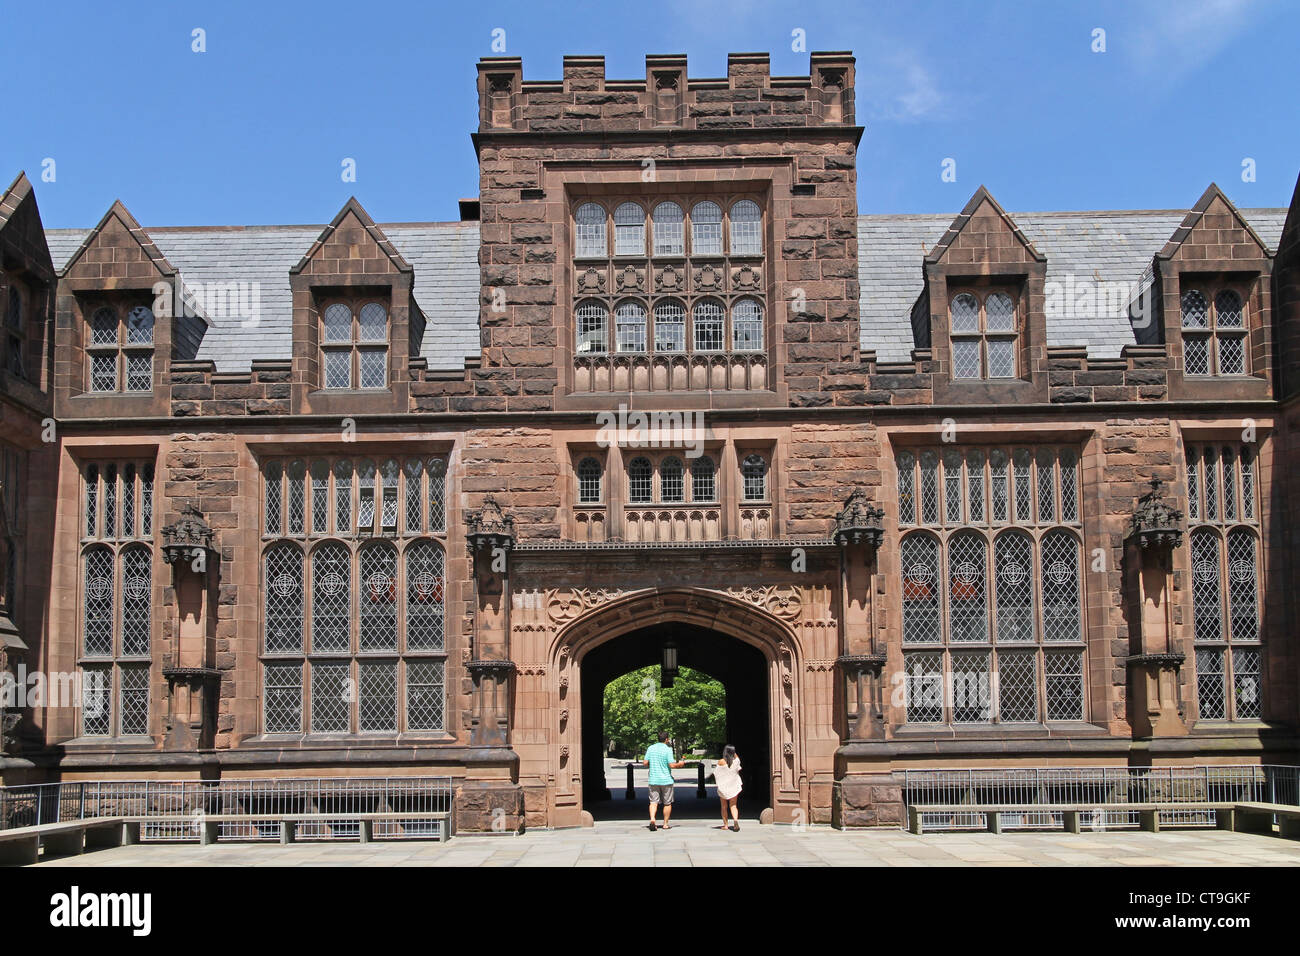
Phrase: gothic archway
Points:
(752, 618)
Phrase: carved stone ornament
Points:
(490, 528)
(563, 604)
(780, 600)
(670, 279)
(708, 279)
(1156, 523)
(631, 279)
(186, 537)
(591, 281)
(860, 522)
(746, 279)
(855, 664)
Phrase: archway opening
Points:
(742, 670)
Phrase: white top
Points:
(728, 778)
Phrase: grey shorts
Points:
(661, 793)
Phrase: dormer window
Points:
(983, 336)
(354, 345)
(120, 349)
(1214, 332)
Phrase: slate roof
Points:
(1113, 247)
(1109, 246)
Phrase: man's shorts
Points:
(661, 793)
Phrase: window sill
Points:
(1053, 728)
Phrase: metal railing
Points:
(175, 808)
(1098, 787)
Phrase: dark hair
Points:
(728, 754)
(663, 736)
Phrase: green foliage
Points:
(693, 711)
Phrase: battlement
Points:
(584, 101)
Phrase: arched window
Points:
(639, 481)
(1013, 578)
(906, 464)
(629, 326)
(92, 501)
(412, 471)
(377, 591)
(746, 229)
(975, 487)
(590, 230)
(271, 518)
(670, 326)
(366, 496)
(919, 563)
(708, 325)
(1207, 607)
(282, 585)
(967, 600)
(589, 481)
(424, 597)
(670, 239)
(706, 229)
(331, 599)
(704, 486)
(388, 478)
(672, 487)
(591, 321)
(754, 473)
(747, 325)
(97, 603)
(137, 600)
(929, 487)
(629, 230)
(1062, 610)
(342, 496)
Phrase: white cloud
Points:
(1172, 42)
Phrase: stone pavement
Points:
(695, 843)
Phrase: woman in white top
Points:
(727, 776)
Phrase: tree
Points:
(693, 710)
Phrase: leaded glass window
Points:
(119, 348)
(591, 323)
(670, 326)
(708, 326)
(1214, 332)
(378, 598)
(671, 486)
(1224, 545)
(747, 325)
(331, 598)
(282, 585)
(424, 597)
(754, 474)
(116, 597)
(354, 345)
(704, 480)
(629, 327)
(1003, 609)
(638, 481)
(983, 334)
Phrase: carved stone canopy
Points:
(1156, 523)
(855, 664)
(185, 534)
(860, 522)
(490, 528)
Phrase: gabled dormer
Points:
(981, 312)
(1214, 281)
(27, 282)
(114, 323)
(356, 326)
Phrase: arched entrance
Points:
(740, 667)
(736, 641)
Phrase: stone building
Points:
(969, 490)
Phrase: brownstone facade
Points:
(326, 537)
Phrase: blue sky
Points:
(254, 130)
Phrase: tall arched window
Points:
(706, 229)
(282, 585)
(1060, 572)
(704, 486)
(919, 561)
(331, 597)
(1013, 577)
(670, 239)
(746, 229)
(708, 325)
(589, 481)
(671, 485)
(754, 474)
(639, 481)
(589, 223)
(747, 325)
(1222, 513)
(436, 469)
(629, 326)
(378, 597)
(424, 597)
(670, 326)
(967, 601)
(592, 319)
(629, 230)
